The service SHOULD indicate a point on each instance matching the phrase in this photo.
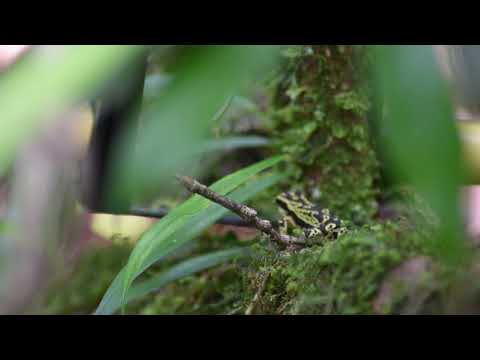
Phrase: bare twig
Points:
(158, 214)
(249, 215)
(258, 294)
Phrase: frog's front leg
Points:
(283, 223)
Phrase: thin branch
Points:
(258, 294)
(158, 214)
(249, 215)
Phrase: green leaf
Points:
(160, 239)
(206, 218)
(193, 227)
(419, 139)
(184, 269)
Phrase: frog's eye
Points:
(330, 227)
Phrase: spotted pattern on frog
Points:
(315, 221)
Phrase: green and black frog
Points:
(316, 222)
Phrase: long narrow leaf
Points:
(184, 269)
(192, 227)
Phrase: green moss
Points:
(342, 276)
(213, 292)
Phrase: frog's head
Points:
(292, 199)
(284, 199)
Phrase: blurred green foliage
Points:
(418, 138)
(50, 81)
(180, 120)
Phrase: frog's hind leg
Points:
(313, 232)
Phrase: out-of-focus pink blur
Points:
(473, 211)
(10, 53)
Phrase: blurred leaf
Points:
(51, 81)
(184, 269)
(160, 240)
(179, 121)
(418, 137)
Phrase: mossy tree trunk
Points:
(321, 106)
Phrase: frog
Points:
(315, 222)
